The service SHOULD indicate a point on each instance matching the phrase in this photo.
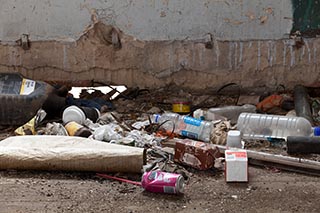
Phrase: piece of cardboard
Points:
(236, 166)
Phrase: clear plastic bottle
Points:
(186, 126)
(230, 112)
(264, 126)
(226, 112)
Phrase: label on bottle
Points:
(192, 121)
(188, 134)
(27, 86)
(156, 118)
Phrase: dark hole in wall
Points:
(306, 18)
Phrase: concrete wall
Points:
(148, 19)
(163, 42)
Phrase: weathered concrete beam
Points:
(188, 64)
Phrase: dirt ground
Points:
(268, 189)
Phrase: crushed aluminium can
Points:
(163, 182)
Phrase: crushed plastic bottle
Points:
(264, 126)
(185, 125)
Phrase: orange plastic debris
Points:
(163, 133)
(270, 102)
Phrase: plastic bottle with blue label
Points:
(185, 126)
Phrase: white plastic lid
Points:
(73, 113)
(234, 139)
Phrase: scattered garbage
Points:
(165, 139)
